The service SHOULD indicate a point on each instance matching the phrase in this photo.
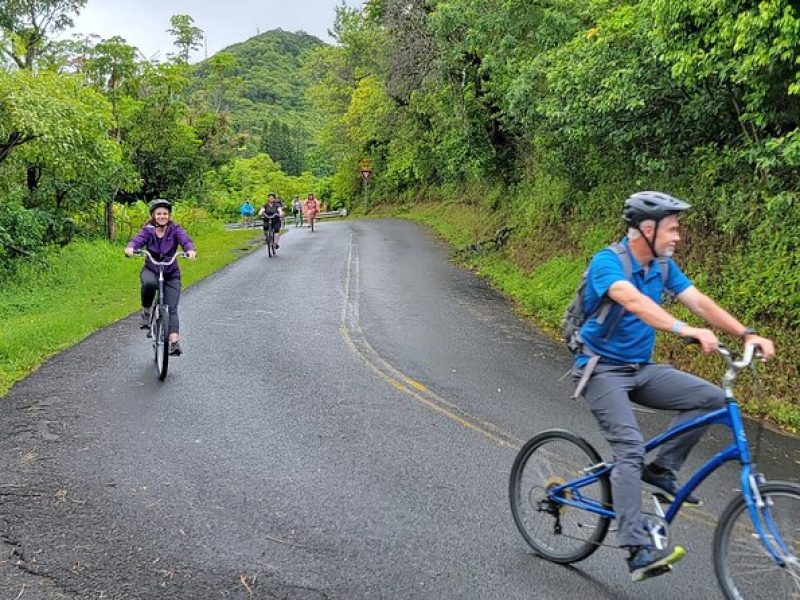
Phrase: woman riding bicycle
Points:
(161, 236)
(272, 214)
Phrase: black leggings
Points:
(172, 295)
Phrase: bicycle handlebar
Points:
(750, 351)
(167, 263)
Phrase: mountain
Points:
(264, 92)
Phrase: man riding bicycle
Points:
(272, 214)
(615, 368)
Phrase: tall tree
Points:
(26, 24)
(187, 35)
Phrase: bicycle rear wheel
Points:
(161, 340)
(556, 532)
(744, 567)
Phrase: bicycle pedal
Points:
(663, 570)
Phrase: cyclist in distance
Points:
(272, 213)
(614, 366)
(247, 211)
(161, 236)
(311, 209)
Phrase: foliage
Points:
(261, 85)
(187, 36)
(253, 179)
(26, 24)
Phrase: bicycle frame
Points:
(568, 494)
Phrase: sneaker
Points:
(645, 562)
(145, 322)
(276, 246)
(664, 485)
(175, 349)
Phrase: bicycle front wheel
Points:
(556, 532)
(744, 567)
(161, 341)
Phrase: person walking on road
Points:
(312, 210)
(297, 211)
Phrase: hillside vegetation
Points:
(544, 115)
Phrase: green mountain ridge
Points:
(265, 84)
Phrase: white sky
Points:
(144, 23)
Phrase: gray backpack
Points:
(575, 315)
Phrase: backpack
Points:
(575, 315)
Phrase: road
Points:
(341, 425)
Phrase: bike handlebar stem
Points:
(734, 366)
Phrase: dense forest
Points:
(536, 116)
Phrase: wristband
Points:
(677, 326)
(747, 332)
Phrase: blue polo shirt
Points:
(632, 340)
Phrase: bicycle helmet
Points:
(642, 206)
(159, 203)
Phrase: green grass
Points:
(86, 286)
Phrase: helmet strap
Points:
(650, 244)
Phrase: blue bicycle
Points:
(560, 496)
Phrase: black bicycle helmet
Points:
(642, 206)
(159, 203)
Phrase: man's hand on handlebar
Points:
(705, 337)
(765, 345)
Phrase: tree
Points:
(26, 24)
(56, 137)
(111, 67)
(187, 36)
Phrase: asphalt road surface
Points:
(341, 425)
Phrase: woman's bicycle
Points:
(159, 315)
(560, 496)
(269, 236)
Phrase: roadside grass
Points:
(542, 293)
(83, 287)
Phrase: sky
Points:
(144, 23)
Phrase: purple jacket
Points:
(162, 248)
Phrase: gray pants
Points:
(609, 393)
(172, 295)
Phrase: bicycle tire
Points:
(743, 566)
(270, 242)
(161, 341)
(311, 223)
(552, 458)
